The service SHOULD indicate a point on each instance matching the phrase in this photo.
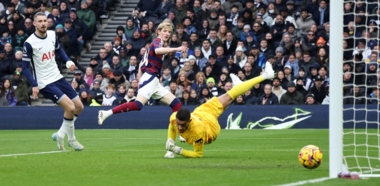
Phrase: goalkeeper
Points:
(201, 126)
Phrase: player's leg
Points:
(73, 142)
(168, 98)
(148, 85)
(240, 88)
(70, 99)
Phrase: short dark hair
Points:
(183, 114)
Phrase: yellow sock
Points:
(244, 87)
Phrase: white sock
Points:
(108, 113)
(75, 118)
(62, 131)
(70, 128)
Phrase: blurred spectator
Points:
(109, 97)
(50, 24)
(81, 28)
(80, 80)
(116, 65)
(318, 90)
(292, 96)
(17, 62)
(107, 72)
(145, 33)
(103, 56)
(9, 92)
(85, 97)
(20, 87)
(322, 73)
(199, 83)
(227, 87)
(70, 31)
(130, 70)
(89, 76)
(19, 39)
(5, 65)
(211, 86)
(103, 81)
(28, 27)
(55, 15)
(97, 7)
(355, 96)
(204, 95)
(147, 8)
(175, 89)
(129, 97)
(120, 93)
(310, 100)
(119, 79)
(136, 40)
(268, 98)
(135, 85)
(95, 89)
(216, 67)
(10, 10)
(166, 76)
(88, 17)
(120, 33)
(321, 15)
(163, 9)
(186, 99)
(183, 82)
(129, 28)
(3, 99)
(277, 88)
(64, 10)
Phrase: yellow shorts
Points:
(209, 112)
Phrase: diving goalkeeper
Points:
(201, 126)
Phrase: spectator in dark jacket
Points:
(137, 41)
(292, 96)
(268, 98)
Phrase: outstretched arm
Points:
(164, 50)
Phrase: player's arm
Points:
(59, 51)
(198, 150)
(26, 59)
(171, 132)
(161, 50)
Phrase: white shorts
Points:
(150, 87)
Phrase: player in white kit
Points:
(39, 56)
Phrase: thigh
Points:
(67, 89)
(148, 85)
(163, 94)
(212, 108)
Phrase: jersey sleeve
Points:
(198, 146)
(156, 44)
(27, 55)
(171, 131)
(59, 50)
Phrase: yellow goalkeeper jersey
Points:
(203, 128)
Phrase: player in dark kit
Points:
(149, 83)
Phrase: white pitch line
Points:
(31, 153)
(307, 181)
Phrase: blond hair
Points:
(164, 25)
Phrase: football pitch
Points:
(135, 157)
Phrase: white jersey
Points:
(40, 52)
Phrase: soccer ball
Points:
(310, 156)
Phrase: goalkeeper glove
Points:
(170, 146)
(169, 154)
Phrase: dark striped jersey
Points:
(152, 62)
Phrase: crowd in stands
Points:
(223, 37)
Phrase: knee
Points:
(70, 109)
(79, 107)
(139, 105)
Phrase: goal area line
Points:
(307, 181)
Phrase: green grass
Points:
(135, 157)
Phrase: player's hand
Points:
(169, 154)
(35, 91)
(70, 65)
(182, 140)
(170, 146)
(182, 49)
